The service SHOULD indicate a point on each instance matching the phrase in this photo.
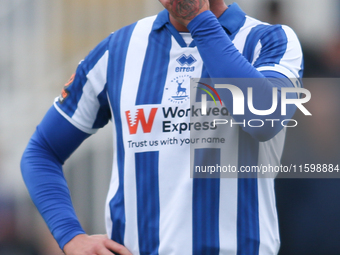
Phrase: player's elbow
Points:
(29, 159)
(23, 164)
(35, 156)
(26, 165)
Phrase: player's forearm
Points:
(41, 167)
(219, 54)
(223, 60)
(47, 186)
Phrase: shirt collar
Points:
(161, 20)
(232, 19)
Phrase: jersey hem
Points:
(77, 125)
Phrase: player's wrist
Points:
(187, 19)
(200, 16)
(206, 21)
(73, 243)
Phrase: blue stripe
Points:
(248, 230)
(104, 113)
(155, 68)
(147, 201)
(252, 39)
(274, 44)
(205, 207)
(118, 50)
(75, 89)
(176, 35)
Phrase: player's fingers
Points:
(116, 247)
(105, 251)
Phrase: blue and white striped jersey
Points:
(153, 206)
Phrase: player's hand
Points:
(94, 245)
(185, 10)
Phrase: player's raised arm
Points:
(223, 60)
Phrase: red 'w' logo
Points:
(140, 117)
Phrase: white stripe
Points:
(176, 214)
(228, 194)
(97, 76)
(114, 183)
(88, 105)
(171, 85)
(228, 216)
(292, 58)
(257, 52)
(241, 37)
(270, 153)
(134, 60)
(172, 216)
(130, 198)
(133, 69)
(175, 195)
(268, 221)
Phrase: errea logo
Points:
(186, 63)
(186, 60)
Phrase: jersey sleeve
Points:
(279, 50)
(41, 165)
(83, 101)
(81, 109)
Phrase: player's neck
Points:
(216, 7)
